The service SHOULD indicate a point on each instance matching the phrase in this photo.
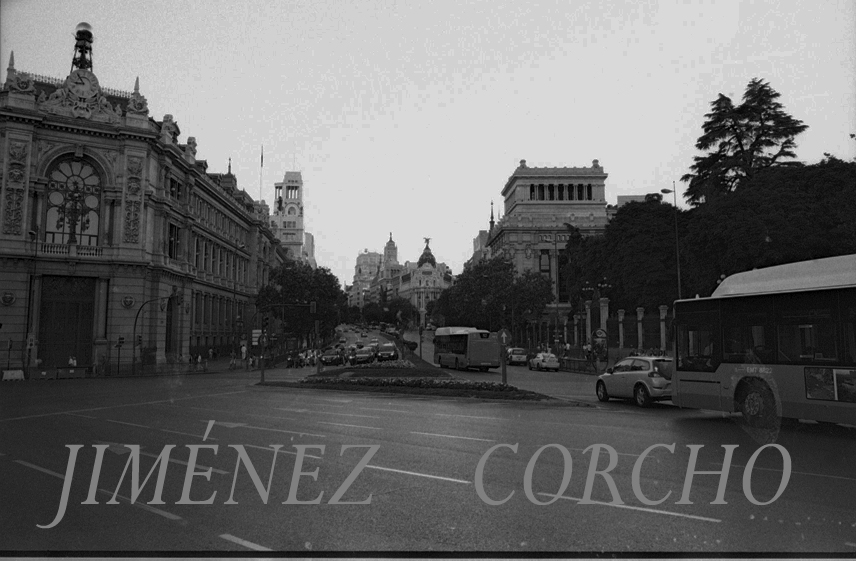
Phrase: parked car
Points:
(387, 351)
(641, 378)
(516, 355)
(544, 361)
(363, 356)
(331, 358)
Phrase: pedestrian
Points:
(199, 363)
(232, 364)
(210, 353)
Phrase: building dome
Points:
(426, 257)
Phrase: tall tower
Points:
(288, 213)
(390, 252)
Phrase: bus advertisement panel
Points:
(772, 343)
(466, 347)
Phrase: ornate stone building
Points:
(366, 269)
(112, 230)
(423, 281)
(538, 203)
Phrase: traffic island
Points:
(414, 381)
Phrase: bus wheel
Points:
(483, 368)
(757, 404)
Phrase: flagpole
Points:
(261, 169)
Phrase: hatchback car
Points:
(387, 351)
(331, 357)
(363, 356)
(544, 361)
(641, 378)
(516, 355)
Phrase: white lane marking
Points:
(803, 473)
(232, 425)
(269, 449)
(144, 506)
(629, 507)
(471, 417)
(124, 423)
(450, 436)
(41, 469)
(379, 409)
(84, 416)
(127, 450)
(170, 400)
(352, 426)
(283, 430)
(419, 474)
(245, 543)
(187, 434)
(329, 413)
(850, 544)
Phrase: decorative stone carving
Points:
(45, 146)
(191, 146)
(132, 222)
(134, 187)
(110, 155)
(87, 102)
(20, 82)
(169, 130)
(16, 175)
(135, 166)
(18, 152)
(138, 105)
(14, 212)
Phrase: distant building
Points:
(365, 270)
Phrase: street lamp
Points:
(677, 246)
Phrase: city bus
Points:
(772, 343)
(466, 347)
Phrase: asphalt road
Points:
(422, 479)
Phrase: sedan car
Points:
(516, 355)
(544, 361)
(641, 378)
(363, 356)
(387, 351)
(331, 358)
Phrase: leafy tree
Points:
(741, 140)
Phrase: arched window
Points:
(73, 203)
(292, 211)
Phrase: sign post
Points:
(504, 341)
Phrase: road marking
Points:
(802, 473)
(125, 450)
(144, 506)
(378, 409)
(269, 449)
(629, 507)
(352, 426)
(41, 469)
(283, 430)
(124, 423)
(245, 543)
(187, 434)
(419, 474)
(850, 544)
(328, 413)
(471, 417)
(170, 400)
(84, 416)
(450, 436)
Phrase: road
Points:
(421, 480)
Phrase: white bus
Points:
(466, 347)
(774, 342)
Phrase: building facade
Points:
(117, 246)
(366, 269)
(538, 204)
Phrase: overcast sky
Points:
(409, 116)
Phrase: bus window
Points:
(698, 348)
(806, 328)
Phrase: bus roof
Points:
(817, 274)
(457, 330)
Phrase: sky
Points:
(408, 117)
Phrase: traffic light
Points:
(139, 340)
(265, 322)
(120, 342)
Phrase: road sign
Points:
(256, 334)
(504, 337)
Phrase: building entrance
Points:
(66, 320)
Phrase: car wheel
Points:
(640, 394)
(758, 405)
(602, 394)
(530, 366)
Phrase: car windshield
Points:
(388, 347)
(549, 356)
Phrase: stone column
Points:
(663, 311)
(576, 330)
(588, 322)
(604, 312)
(640, 313)
(620, 329)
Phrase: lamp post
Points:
(236, 316)
(588, 291)
(677, 246)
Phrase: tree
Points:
(741, 140)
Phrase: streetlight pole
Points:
(674, 192)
